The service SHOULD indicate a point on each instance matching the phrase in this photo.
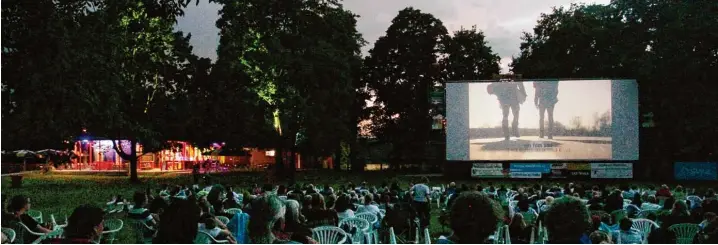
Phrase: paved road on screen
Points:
(535, 148)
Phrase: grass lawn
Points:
(60, 194)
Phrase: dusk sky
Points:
(502, 21)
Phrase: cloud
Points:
(502, 21)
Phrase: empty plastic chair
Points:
(329, 235)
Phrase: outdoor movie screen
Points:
(542, 120)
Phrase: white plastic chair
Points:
(10, 234)
(502, 236)
(59, 233)
(533, 235)
(36, 215)
(684, 232)
(20, 230)
(223, 219)
(539, 204)
(362, 228)
(427, 236)
(644, 213)
(55, 224)
(695, 200)
(205, 238)
(141, 228)
(329, 235)
(113, 227)
(392, 236)
(372, 219)
(233, 211)
(645, 226)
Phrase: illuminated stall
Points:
(94, 154)
(99, 155)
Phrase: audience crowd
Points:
(521, 214)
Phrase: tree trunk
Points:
(292, 164)
(279, 163)
(337, 160)
(131, 156)
(133, 161)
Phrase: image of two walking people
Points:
(512, 94)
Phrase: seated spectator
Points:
(139, 212)
(291, 227)
(211, 226)
(707, 219)
(710, 194)
(650, 203)
(678, 215)
(343, 207)
(636, 200)
(331, 201)
(84, 226)
(265, 213)
(627, 234)
(178, 224)
(220, 211)
(626, 192)
(328, 190)
(651, 191)
(567, 221)
(17, 213)
(369, 207)
(549, 201)
(319, 215)
(664, 191)
(528, 214)
(668, 203)
(709, 233)
(613, 202)
(600, 237)
(231, 201)
(451, 189)
(679, 193)
(519, 230)
(157, 207)
(474, 217)
(282, 190)
(710, 205)
(306, 203)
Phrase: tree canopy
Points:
(669, 47)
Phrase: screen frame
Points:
(457, 147)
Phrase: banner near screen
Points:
(487, 170)
(611, 170)
(559, 170)
(542, 120)
(529, 170)
(578, 170)
(696, 170)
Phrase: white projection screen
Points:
(542, 120)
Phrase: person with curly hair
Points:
(567, 221)
(473, 218)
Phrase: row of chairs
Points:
(16, 233)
